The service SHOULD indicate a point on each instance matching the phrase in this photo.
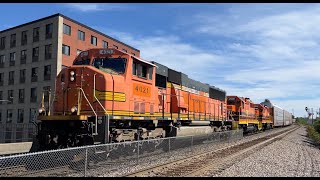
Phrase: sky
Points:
(261, 51)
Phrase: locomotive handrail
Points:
(96, 127)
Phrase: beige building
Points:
(31, 55)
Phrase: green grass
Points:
(313, 130)
(313, 134)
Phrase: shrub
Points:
(313, 134)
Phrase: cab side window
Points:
(142, 70)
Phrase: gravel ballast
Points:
(293, 156)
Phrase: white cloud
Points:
(277, 53)
(86, 7)
(170, 51)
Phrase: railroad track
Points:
(216, 160)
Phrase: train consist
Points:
(110, 96)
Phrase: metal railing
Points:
(115, 159)
(17, 132)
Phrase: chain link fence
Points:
(17, 132)
(116, 159)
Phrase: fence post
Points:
(191, 143)
(85, 163)
(169, 144)
(138, 152)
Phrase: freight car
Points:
(280, 117)
(108, 95)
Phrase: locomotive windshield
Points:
(82, 62)
(111, 65)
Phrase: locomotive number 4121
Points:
(141, 90)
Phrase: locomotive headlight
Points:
(71, 78)
(74, 109)
(72, 73)
(41, 110)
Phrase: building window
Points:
(49, 30)
(104, 44)
(11, 78)
(12, 58)
(32, 115)
(2, 43)
(46, 90)
(13, 40)
(47, 72)
(2, 60)
(81, 35)
(78, 51)
(35, 54)
(66, 29)
(34, 74)
(133, 54)
(1, 97)
(48, 51)
(9, 115)
(36, 34)
(124, 50)
(66, 50)
(22, 75)
(20, 115)
(24, 38)
(94, 40)
(1, 79)
(33, 95)
(0, 115)
(21, 95)
(10, 96)
(23, 57)
(114, 46)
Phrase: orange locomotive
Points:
(242, 111)
(109, 96)
(263, 114)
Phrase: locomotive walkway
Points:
(293, 156)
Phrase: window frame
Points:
(63, 49)
(96, 39)
(79, 35)
(68, 28)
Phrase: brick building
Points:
(31, 55)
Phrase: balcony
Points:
(13, 44)
(11, 82)
(1, 65)
(24, 42)
(48, 35)
(33, 99)
(23, 59)
(35, 58)
(12, 63)
(21, 100)
(22, 80)
(35, 38)
(47, 77)
(34, 78)
(48, 56)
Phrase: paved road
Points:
(293, 156)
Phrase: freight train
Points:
(108, 95)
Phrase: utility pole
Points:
(312, 115)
